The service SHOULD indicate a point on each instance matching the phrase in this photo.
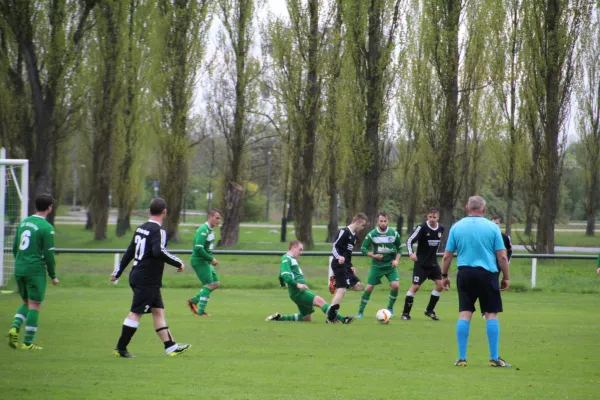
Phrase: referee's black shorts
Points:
(145, 298)
(478, 283)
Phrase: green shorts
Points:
(206, 273)
(32, 287)
(304, 300)
(375, 275)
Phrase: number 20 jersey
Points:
(148, 250)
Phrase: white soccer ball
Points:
(384, 316)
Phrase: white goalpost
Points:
(14, 197)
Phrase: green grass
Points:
(549, 338)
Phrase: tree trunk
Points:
(592, 203)
(231, 220)
(510, 190)
(332, 191)
(123, 221)
(413, 200)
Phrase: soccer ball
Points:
(384, 316)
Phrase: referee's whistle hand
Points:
(504, 285)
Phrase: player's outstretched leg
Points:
(393, 296)
(273, 317)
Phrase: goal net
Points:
(14, 195)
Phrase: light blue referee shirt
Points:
(476, 240)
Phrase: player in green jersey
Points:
(33, 250)
(291, 274)
(204, 263)
(386, 255)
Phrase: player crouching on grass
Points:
(291, 274)
(148, 250)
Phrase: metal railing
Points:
(533, 257)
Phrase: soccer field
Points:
(550, 338)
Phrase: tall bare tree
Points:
(506, 66)
(232, 117)
(136, 74)
(180, 30)
(109, 18)
(373, 28)
(588, 127)
(553, 28)
(47, 58)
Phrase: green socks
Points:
(20, 317)
(203, 297)
(31, 327)
(364, 299)
(392, 299)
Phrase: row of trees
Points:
(400, 104)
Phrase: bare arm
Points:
(503, 264)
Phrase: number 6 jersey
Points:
(33, 248)
(148, 250)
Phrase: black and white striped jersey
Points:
(344, 244)
(148, 250)
(428, 241)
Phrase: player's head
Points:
(433, 216)
(158, 207)
(359, 221)
(497, 219)
(214, 217)
(44, 203)
(296, 248)
(476, 205)
(382, 221)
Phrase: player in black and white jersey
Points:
(428, 236)
(148, 250)
(344, 274)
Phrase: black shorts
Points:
(477, 283)
(423, 272)
(343, 275)
(145, 298)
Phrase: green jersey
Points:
(33, 248)
(204, 243)
(386, 243)
(290, 273)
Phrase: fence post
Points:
(533, 271)
(116, 266)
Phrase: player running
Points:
(428, 236)
(385, 257)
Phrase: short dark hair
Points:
(213, 211)
(157, 206)
(434, 210)
(294, 243)
(383, 214)
(499, 218)
(43, 202)
(359, 216)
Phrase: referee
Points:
(480, 252)
(148, 251)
